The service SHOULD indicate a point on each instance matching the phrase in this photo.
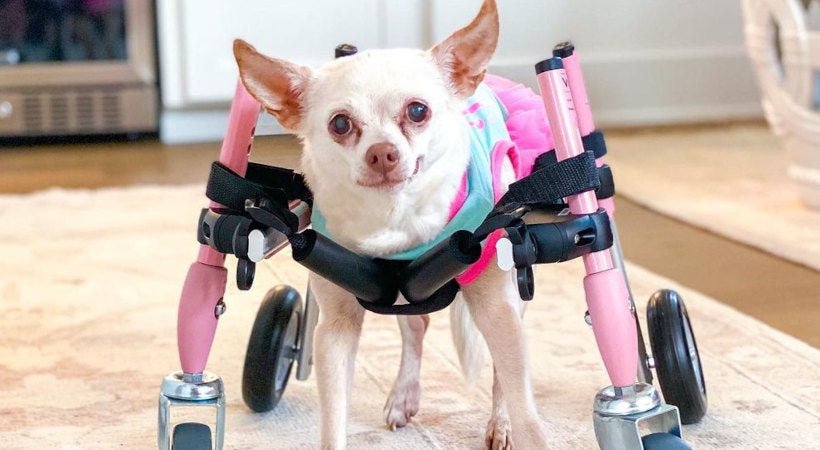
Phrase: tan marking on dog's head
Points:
(277, 84)
(464, 55)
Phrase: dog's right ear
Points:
(464, 55)
(277, 84)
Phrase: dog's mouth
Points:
(418, 166)
(387, 182)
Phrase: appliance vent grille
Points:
(85, 110)
(59, 112)
(32, 112)
(72, 111)
(111, 109)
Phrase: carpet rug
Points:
(730, 180)
(89, 284)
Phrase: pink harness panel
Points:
(530, 136)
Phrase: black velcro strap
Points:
(497, 219)
(229, 189)
(280, 178)
(607, 187)
(545, 159)
(593, 142)
(554, 182)
(276, 184)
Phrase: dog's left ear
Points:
(464, 55)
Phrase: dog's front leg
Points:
(496, 309)
(336, 339)
(498, 435)
(403, 402)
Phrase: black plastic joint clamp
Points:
(225, 233)
(571, 236)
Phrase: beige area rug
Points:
(89, 286)
(729, 180)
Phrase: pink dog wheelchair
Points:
(562, 211)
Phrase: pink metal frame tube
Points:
(606, 293)
(575, 78)
(583, 112)
(235, 151)
(206, 280)
(559, 104)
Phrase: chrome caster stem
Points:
(622, 415)
(182, 389)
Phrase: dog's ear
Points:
(465, 54)
(277, 84)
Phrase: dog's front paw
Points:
(499, 432)
(402, 404)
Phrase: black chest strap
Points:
(277, 184)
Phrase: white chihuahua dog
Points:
(385, 148)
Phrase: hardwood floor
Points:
(741, 276)
(733, 273)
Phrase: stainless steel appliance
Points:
(77, 67)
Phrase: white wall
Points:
(646, 61)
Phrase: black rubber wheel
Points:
(675, 351)
(192, 436)
(271, 348)
(664, 441)
(245, 273)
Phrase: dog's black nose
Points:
(382, 157)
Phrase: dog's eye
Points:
(340, 125)
(417, 112)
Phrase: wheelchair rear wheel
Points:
(675, 352)
(272, 348)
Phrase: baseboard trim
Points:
(183, 127)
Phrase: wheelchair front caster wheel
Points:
(272, 348)
(664, 441)
(192, 436)
(676, 355)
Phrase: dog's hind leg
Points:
(496, 309)
(336, 340)
(403, 402)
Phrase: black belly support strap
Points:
(261, 199)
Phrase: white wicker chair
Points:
(786, 58)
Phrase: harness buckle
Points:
(265, 212)
(525, 254)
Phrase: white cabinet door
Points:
(197, 69)
(196, 37)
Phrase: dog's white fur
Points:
(374, 87)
